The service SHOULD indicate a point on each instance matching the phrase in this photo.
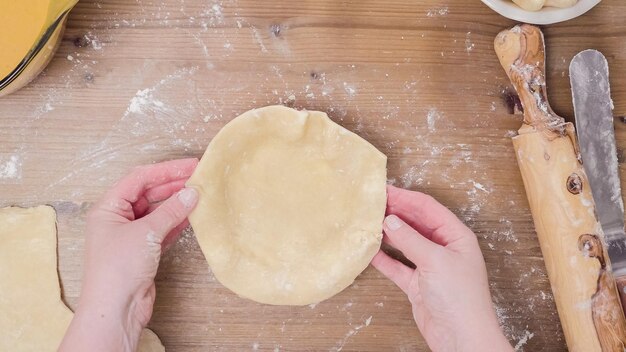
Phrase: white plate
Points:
(546, 15)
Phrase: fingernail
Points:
(188, 196)
(393, 222)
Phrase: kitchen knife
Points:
(593, 110)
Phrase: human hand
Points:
(127, 231)
(448, 290)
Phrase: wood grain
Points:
(141, 81)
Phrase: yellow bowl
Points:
(30, 33)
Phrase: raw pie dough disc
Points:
(291, 205)
(33, 318)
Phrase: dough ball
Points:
(536, 5)
(561, 3)
(530, 5)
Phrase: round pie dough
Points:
(291, 205)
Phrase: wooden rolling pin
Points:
(562, 207)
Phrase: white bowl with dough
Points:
(546, 15)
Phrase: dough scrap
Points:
(291, 205)
(32, 315)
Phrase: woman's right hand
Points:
(448, 290)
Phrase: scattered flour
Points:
(147, 119)
(469, 46)
(511, 133)
(258, 39)
(187, 242)
(49, 99)
(368, 321)
(93, 41)
(355, 330)
(145, 100)
(523, 340)
(217, 10)
(10, 167)
(431, 118)
(507, 232)
(142, 100)
(480, 187)
(477, 197)
(212, 15)
(437, 11)
(350, 89)
(414, 175)
(208, 118)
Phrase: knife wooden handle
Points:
(561, 204)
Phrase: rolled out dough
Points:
(291, 205)
(33, 318)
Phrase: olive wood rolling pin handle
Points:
(621, 287)
(561, 204)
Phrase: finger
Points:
(395, 271)
(426, 215)
(417, 248)
(140, 207)
(171, 213)
(164, 191)
(174, 235)
(152, 207)
(132, 186)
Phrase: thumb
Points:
(171, 213)
(417, 248)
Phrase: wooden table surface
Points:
(136, 82)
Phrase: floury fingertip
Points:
(188, 196)
(393, 222)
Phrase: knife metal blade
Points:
(593, 110)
